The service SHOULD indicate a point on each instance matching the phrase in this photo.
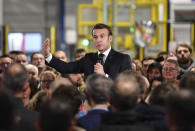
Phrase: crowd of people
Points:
(155, 94)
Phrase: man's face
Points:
(169, 71)
(78, 56)
(22, 59)
(76, 79)
(38, 60)
(145, 66)
(46, 81)
(183, 55)
(101, 39)
(60, 55)
(5, 62)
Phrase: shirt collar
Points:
(106, 52)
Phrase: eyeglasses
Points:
(5, 64)
(36, 59)
(184, 51)
(169, 69)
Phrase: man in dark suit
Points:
(112, 62)
(97, 91)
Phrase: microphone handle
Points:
(99, 61)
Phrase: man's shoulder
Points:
(119, 53)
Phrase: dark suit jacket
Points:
(25, 118)
(91, 120)
(115, 63)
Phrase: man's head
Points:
(32, 70)
(181, 110)
(80, 53)
(15, 78)
(56, 114)
(5, 61)
(38, 60)
(98, 89)
(102, 37)
(170, 70)
(21, 58)
(61, 55)
(12, 54)
(160, 94)
(63, 88)
(145, 64)
(188, 81)
(183, 53)
(125, 92)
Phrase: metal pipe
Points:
(114, 23)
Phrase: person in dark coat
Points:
(97, 91)
(124, 96)
(15, 78)
(106, 61)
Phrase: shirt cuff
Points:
(48, 59)
(107, 75)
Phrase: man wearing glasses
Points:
(184, 56)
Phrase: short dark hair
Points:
(56, 114)
(32, 55)
(4, 56)
(155, 66)
(185, 46)
(161, 93)
(102, 26)
(162, 53)
(15, 77)
(188, 81)
(181, 108)
(147, 58)
(79, 51)
(125, 92)
(70, 93)
(98, 88)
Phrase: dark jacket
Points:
(91, 120)
(122, 121)
(25, 118)
(115, 63)
(154, 116)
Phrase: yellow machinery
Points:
(101, 11)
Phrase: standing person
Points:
(112, 61)
(97, 92)
(15, 78)
(184, 57)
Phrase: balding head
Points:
(125, 92)
(15, 77)
(60, 55)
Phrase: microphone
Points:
(100, 59)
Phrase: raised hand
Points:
(46, 48)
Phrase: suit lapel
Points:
(108, 61)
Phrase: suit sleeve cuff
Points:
(107, 75)
(48, 59)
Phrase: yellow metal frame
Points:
(6, 49)
(98, 4)
(53, 39)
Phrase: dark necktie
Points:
(100, 59)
